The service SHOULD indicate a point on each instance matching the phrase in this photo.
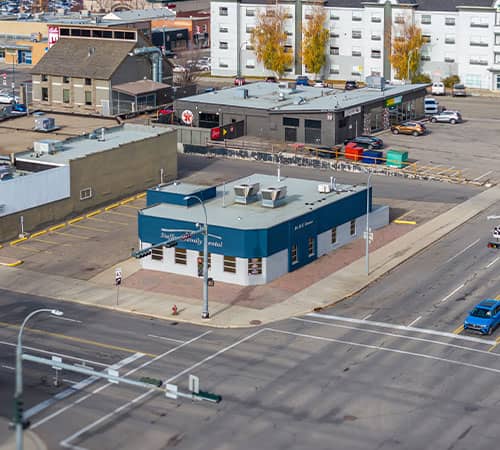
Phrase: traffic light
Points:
(142, 253)
(200, 266)
(171, 244)
(18, 410)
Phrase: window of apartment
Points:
(479, 22)
(497, 39)
(356, 70)
(449, 39)
(334, 50)
(376, 36)
(249, 28)
(375, 72)
(230, 264)
(88, 81)
(250, 12)
(334, 16)
(180, 256)
(86, 193)
(107, 34)
(399, 19)
(479, 41)
(288, 49)
(86, 33)
(88, 97)
(223, 29)
(356, 51)
(295, 256)
(425, 20)
(353, 227)
(425, 56)
(356, 34)
(334, 69)
(66, 80)
(478, 60)
(497, 18)
(498, 81)
(473, 80)
(376, 18)
(64, 31)
(66, 96)
(254, 266)
(333, 235)
(497, 58)
(449, 21)
(426, 38)
(376, 54)
(356, 16)
(223, 11)
(250, 64)
(449, 57)
(45, 94)
(223, 45)
(291, 122)
(157, 253)
(44, 77)
(310, 246)
(223, 63)
(249, 46)
(334, 34)
(130, 35)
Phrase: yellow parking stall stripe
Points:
(497, 341)
(57, 227)
(133, 207)
(108, 221)
(13, 264)
(94, 213)
(90, 228)
(72, 235)
(113, 206)
(405, 222)
(141, 195)
(75, 220)
(121, 214)
(497, 297)
(405, 214)
(38, 233)
(458, 330)
(45, 241)
(127, 200)
(17, 241)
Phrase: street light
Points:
(410, 54)
(204, 313)
(19, 376)
(238, 69)
(367, 237)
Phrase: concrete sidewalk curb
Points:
(326, 292)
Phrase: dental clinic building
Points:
(259, 227)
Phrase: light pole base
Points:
(205, 315)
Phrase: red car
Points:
(239, 81)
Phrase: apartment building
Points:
(462, 38)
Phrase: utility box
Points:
(372, 157)
(45, 124)
(396, 158)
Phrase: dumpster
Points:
(353, 152)
(372, 157)
(397, 158)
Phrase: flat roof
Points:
(78, 147)
(262, 95)
(302, 197)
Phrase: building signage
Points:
(184, 236)
(187, 117)
(53, 35)
(302, 225)
(352, 111)
(394, 101)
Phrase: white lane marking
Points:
(165, 338)
(68, 319)
(389, 349)
(402, 336)
(492, 262)
(367, 317)
(77, 387)
(414, 321)
(62, 355)
(402, 328)
(69, 381)
(453, 292)
(8, 367)
(66, 442)
(462, 251)
(483, 175)
(99, 389)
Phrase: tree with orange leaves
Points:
(406, 50)
(315, 37)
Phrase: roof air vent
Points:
(246, 193)
(273, 197)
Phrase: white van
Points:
(437, 88)
(431, 106)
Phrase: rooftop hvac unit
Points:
(324, 188)
(45, 123)
(48, 146)
(273, 197)
(246, 193)
(375, 82)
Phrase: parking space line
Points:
(132, 207)
(12, 264)
(483, 175)
(453, 292)
(94, 213)
(121, 214)
(367, 317)
(57, 227)
(45, 241)
(405, 214)
(459, 329)
(493, 262)
(72, 235)
(405, 222)
(108, 221)
(165, 338)
(128, 200)
(462, 251)
(414, 321)
(39, 233)
(17, 241)
(75, 220)
(141, 195)
(113, 206)
(91, 228)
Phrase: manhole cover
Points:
(255, 322)
(350, 418)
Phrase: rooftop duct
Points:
(273, 197)
(246, 193)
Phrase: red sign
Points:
(215, 133)
(53, 35)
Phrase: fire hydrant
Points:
(174, 310)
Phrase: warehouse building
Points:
(259, 228)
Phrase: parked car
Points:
(351, 85)
(431, 106)
(365, 141)
(459, 91)
(6, 97)
(485, 317)
(239, 81)
(447, 116)
(437, 88)
(203, 66)
(409, 127)
(271, 80)
(302, 80)
(319, 83)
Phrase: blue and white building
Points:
(260, 227)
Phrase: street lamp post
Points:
(19, 376)
(410, 54)
(204, 314)
(238, 69)
(13, 80)
(367, 237)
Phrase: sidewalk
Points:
(144, 292)
(8, 438)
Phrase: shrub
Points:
(451, 80)
(421, 78)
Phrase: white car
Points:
(447, 116)
(6, 97)
(437, 88)
(431, 106)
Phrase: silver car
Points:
(447, 116)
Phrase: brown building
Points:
(196, 22)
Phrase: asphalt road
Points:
(381, 370)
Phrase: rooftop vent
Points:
(375, 82)
(273, 197)
(47, 147)
(91, 51)
(324, 188)
(299, 101)
(246, 193)
(241, 93)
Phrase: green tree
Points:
(406, 50)
(451, 80)
(315, 37)
(268, 38)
